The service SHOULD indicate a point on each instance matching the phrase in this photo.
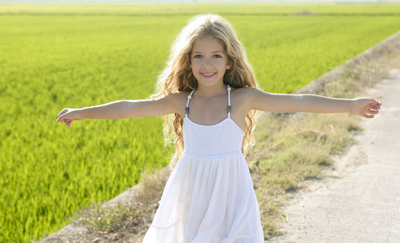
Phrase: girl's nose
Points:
(207, 62)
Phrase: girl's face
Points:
(208, 61)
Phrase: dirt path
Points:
(363, 205)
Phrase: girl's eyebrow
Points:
(211, 52)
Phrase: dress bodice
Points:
(211, 140)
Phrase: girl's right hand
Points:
(366, 108)
(68, 115)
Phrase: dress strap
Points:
(229, 100)
(187, 104)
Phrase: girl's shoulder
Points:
(178, 97)
(244, 97)
(245, 92)
(179, 94)
(244, 89)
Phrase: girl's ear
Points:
(229, 64)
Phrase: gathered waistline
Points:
(214, 156)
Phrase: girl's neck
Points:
(211, 91)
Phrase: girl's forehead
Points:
(208, 43)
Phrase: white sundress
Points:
(209, 196)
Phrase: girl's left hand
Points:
(366, 108)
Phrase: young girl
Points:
(209, 89)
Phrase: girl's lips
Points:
(208, 75)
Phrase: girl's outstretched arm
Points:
(260, 100)
(122, 109)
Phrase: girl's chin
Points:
(207, 83)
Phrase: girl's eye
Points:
(217, 56)
(197, 56)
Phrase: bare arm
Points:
(260, 100)
(121, 109)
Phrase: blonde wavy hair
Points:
(177, 75)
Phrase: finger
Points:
(373, 112)
(63, 117)
(368, 116)
(373, 102)
(377, 103)
(62, 112)
(60, 119)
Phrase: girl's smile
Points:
(208, 75)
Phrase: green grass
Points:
(56, 56)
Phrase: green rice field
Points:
(54, 56)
